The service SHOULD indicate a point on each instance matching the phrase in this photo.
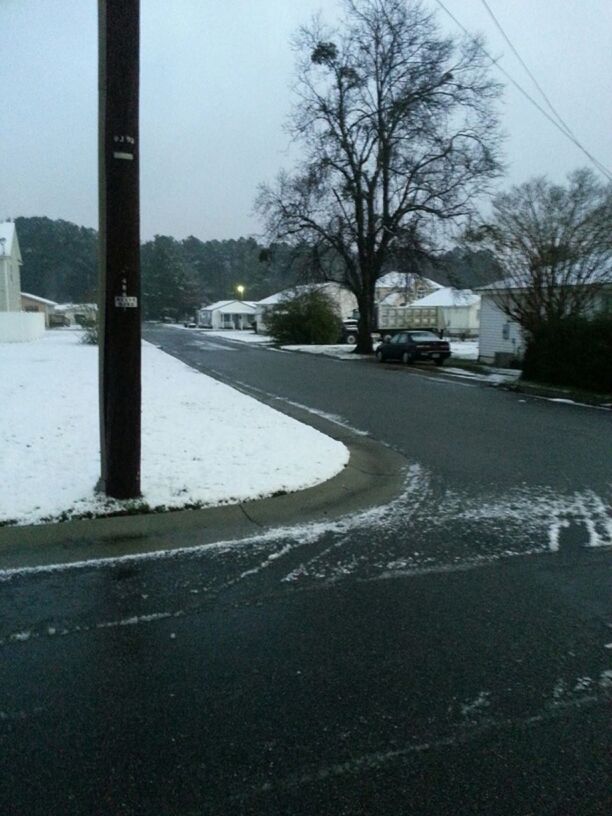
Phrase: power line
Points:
(551, 107)
(560, 125)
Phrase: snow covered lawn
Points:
(203, 443)
(464, 349)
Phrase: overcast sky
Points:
(215, 91)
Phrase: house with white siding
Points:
(227, 314)
(15, 325)
(35, 303)
(503, 339)
(10, 274)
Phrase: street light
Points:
(240, 290)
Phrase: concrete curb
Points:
(550, 392)
(373, 476)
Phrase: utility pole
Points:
(119, 261)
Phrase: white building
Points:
(35, 303)
(460, 310)
(10, 275)
(344, 300)
(502, 339)
(15, 325)
(228, 314)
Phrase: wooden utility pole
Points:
(119, 323)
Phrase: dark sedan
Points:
(411, 346)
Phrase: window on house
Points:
(506, 331)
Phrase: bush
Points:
(307, 319)
(90, 332)
(573, 352)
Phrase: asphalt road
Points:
(448, 653)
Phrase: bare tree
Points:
(398, 131)
(554, 245)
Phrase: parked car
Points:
(414, 345)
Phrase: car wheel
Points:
(379, 356)
(351, 339)
(439, 362)
(406, 358)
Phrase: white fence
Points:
(19, 327)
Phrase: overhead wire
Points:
(560, 125)
(551, 107)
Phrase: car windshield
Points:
(423, 336)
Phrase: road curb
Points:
(551, 392)
(374, 475)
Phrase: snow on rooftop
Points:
(236, 306)
(294, 291)
(449, 296)
(202, 441)
(404, 280)
(38, 299)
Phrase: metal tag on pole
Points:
(119, 314)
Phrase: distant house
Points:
(75, 314)
(402, 288)
(502, 339)
(228, 314)
(15, 325)
(34, 303)
(460, 310)
(344, 300)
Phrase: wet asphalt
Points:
(447, 653)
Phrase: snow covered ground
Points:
(203, 443)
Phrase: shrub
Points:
(307, 319)
(574, 352)
(90, 332)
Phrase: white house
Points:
(15, 325)
(344, 300)
(460, 310)
(35, 303)
(10, 275)
(502, 339)
(401, 288)
(227, 314)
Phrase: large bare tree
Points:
(554, 246)
(398, 130)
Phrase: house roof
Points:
(294, 291)
(8, 239)
(39, 299)
(233, 306)
(64, 307)
(448, 296)
(404, 280)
